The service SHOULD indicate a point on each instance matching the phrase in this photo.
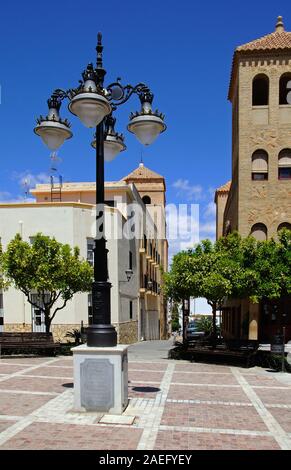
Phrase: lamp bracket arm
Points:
(119, 94)
(60, 94)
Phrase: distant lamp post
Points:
(129, 274)
(150, 285)
(94, 104)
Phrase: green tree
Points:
(232, 267)
(50, 269)
(1, 267)
(3, 281)
(204, 323)
(271, 262)
(210, 270)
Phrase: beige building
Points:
(67, 212)
(257, 200)
(153, 254)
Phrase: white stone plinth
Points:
(100, 379)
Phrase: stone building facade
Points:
(257, 201)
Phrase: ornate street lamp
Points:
(146, 124)
(94, 103)
(113, 142)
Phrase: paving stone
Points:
(50, 371)
(141, 376)
(177, 405)
(147, 366)
(270, 396)
(11, 369)
(27, 360)
(63, 362)
(47, 436)
(17, 404)
(263, 381)
(201, 378)
(5, 424)
(35, 384)
(283, 416)
(178, 440)
(198, 367)
(212, 416)
(224, 394)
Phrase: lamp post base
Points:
(101, 336)
(100, 379)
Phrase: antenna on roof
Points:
(25, 184)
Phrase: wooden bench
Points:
(28, 342)
(243, 352)
(242, 344)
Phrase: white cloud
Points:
(182, 227)
(208, 230)
(27, 178)
(210, 210)
(191, 192)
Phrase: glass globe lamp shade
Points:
(113, 145)
(146, 127)
(53, 133)
(90, 107)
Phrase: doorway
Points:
(37, 315)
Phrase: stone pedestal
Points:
(100, 379)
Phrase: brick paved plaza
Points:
(175, 405)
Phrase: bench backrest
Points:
(26, 337)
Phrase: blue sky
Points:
(182, 50)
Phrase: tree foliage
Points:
(232, 267)
(48, 268)
(204, 324)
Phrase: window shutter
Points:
(260, 163)
(285, 158)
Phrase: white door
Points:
(38, 322)
(37, 315)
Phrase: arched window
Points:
(146, 200)
(286, 225)
(261, 90)
(260, 165)
(285, 89)
(284, 164)
(259, 232)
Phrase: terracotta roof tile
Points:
(225, 188)
(276, 40)
(142, 172)
(279, 41)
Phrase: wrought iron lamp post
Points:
(94, 104)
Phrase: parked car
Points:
(193, 332)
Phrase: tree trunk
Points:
(214, 328)
(47, 320)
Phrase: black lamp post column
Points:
(100, 333)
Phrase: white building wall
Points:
(72, 225)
